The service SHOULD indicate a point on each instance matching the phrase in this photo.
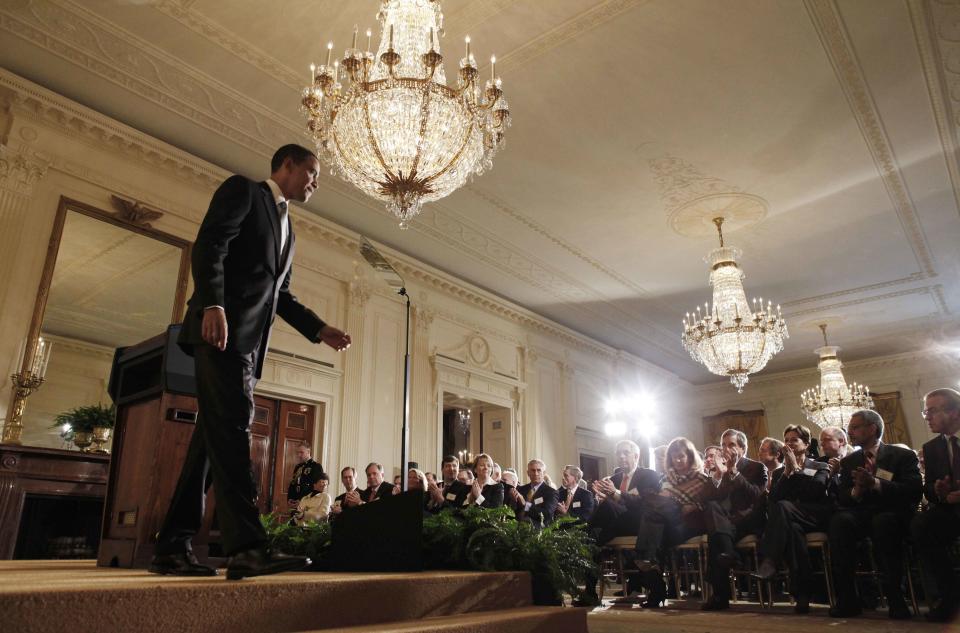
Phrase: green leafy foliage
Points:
(311, 539)
(85, 419)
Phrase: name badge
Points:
(885, 475)
(451, 496)
(538, 501)
(810, 472)
(633, 491)
(527, 506)
(576, 504)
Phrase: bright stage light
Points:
(633, 412)
(615, 428)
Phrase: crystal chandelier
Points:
(393, 127)
(463, 421)
(833, 401)
(730, 338)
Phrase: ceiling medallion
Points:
(394, 128)
(730, 338)
(833, 401)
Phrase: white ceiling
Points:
(834, 122)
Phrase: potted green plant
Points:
(87, 425)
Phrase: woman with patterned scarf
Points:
(673, 516)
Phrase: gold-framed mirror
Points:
(109, 280)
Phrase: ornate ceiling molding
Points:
(912, 278)
(78, 35)
(938, 44)
(826, 19)
(922, 290)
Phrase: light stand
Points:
(395, 281)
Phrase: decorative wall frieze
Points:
(829, 25)
(21, 169)
(358, 293)
(75, 121)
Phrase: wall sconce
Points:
(33, 368)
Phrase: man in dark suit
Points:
(538, 498)
(448, 492)
(348, 477)
(734, 510)
(937, 528)
(241, 263)
(880, 487)
(798, 504)
(620, 500)
(376, 486)
(572, 500)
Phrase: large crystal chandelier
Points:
(730, 338)
(393, 127)
(833, 401)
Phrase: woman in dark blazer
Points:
(485, 492)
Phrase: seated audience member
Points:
(619, 502)
(484, 491)
(397, 481)
(315, 506)
(939, 526)
(572, 500)
(431, 478)
(416, 480)
(835, 446)
(351, 496)
(734, 511)
(880, 487)
(770, 454)
(798, 504)
(537, 500)
(659, 459)
(713, 463)
(497, 473)
(510, 482)
(376, 486)
(448, 493)
(465, 476)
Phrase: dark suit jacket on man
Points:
(740, 494)
(543, 505)
(238, 264)
(899, 494)
(936, 460)
(385, 490)
(582, 506)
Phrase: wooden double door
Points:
(278, 428)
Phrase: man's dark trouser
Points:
(886, 530)
(722, 533)
(785, 541)
(933, 533)
(219, 451)
(608, 521)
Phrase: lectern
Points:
(153, 387)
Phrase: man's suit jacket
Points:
(936, 460)
(643, 482)
(454, 495)
(900, 494)
(739, 495)
(543, 505)
(582, 505)
(237, 263)
(385, 490)
(806, 488)
(833, 485)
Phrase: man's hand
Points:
(396, 489)
(942, 487)
(605, 487)
(863, 479)
(789, 462)
(352, 499)
(214, 327)
(834, 464)
(561, 508)
(514, 494)
(730, 459)
(337, 339)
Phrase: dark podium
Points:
(153, 387)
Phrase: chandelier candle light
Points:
(394, 128)
(833, 401)
(730, 338)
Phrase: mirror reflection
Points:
(112, 286)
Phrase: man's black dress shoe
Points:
(802, 604)
(183, 564)
(587, 600)
(714, 604)
(899, 612)
(260, 561)
(845, 611)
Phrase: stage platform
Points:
(76, 596)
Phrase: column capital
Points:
(358, 291)
(21, 169)
(423, 318)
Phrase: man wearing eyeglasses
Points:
(880, 487)
(938, 527)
